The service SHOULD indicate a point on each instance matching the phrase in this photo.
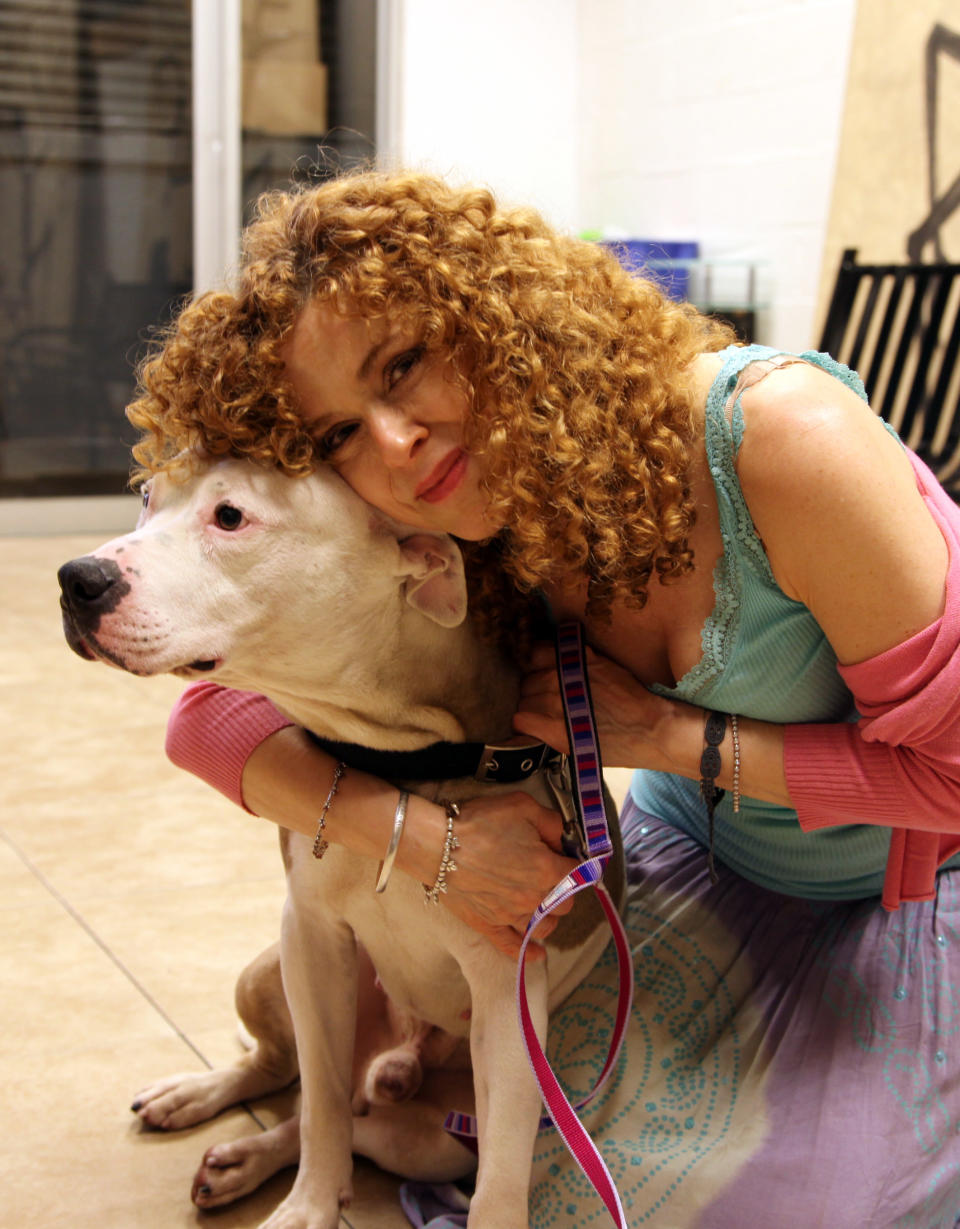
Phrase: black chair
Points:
(899, 327)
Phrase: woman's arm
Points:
(212, 730)
(831, 774)
(506, 863)
(869, 553)
(638, 729)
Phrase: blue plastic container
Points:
(656, 259)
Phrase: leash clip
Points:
(559, 779)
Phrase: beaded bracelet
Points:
(735, 735)
(432, 895)
(320, 843)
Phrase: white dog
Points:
(356, 628)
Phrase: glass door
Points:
(308, 90)
(97, 187)
(95, 218)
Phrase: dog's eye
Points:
(228, 517)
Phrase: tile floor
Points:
(131, 896)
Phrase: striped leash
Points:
(587, 788)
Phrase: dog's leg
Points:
(183, 1100)
(508, 1100)
(231, 1170)
(407, 1139)
(320, 979)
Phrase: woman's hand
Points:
(507, 861)
(631, 721)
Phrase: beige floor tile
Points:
(127, 842)
(61, 991)
(186, 949)
(19, 885)
(52, 725)
(80, 1158)
(55, 724)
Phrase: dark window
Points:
(96, 201)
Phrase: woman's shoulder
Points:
(835, 500)
(799, 414)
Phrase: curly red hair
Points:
(577, 372)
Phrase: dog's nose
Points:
(86, 581)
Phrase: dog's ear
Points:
(436, 584)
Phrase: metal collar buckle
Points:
(511, 762)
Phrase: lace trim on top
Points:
(724, 428)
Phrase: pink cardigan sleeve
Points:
(213, 730)
(900, 764)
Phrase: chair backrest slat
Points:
(888, 407)
(899, 325)
(948, 370)
(866, 317)
(920, 404)
(881, 353)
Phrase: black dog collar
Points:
(444, 761)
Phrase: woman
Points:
(738, 533)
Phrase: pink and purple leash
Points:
(587, 785)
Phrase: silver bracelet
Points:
(735, 733)
(432, 895)
(399, 815)
(320, 843)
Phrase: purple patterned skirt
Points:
(789, 1064)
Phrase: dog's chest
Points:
(409, 942)
(420, 977)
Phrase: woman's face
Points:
(389, 418)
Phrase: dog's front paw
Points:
(231, 1170)
(183, 1100)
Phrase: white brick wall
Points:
(662, 119)
(487, 92)
(721, 124)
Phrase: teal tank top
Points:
(764, 656)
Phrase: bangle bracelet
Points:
(432, 895)
(710, 764)
(735, 734)
(399, 815)
(320, 843)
